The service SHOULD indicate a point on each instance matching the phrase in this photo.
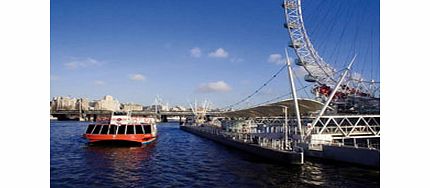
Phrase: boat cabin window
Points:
(90, 129)
(121, 129)
(130, 129)
(112, 129)
(105, 129)
(139, 129)
(120, 113)
(97, 129)
(147, 129)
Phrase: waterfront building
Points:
(82, 104)
(159, 107)
(178, 108)
(63, 103)
(131, 107)
(107, 103)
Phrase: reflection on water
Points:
(313, 173)
(122, 162)
(180, 159)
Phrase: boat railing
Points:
(270, 143)
(318, 145)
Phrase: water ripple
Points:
(180, 159)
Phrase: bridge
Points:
(91, 115)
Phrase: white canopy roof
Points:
(306, 106)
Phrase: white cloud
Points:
(99, 82)
(82, 63)
(137, 77)
(236, 60)
(196, 52)
(219, 53)
(276, 59)
(219, 86)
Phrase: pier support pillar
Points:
(355, 142)
(163, 118)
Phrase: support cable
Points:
(258, 90)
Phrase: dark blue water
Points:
(180, 159)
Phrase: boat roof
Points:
(306, 106)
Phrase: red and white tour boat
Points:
(122, 127)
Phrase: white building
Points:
(178, 108)
(83, 104)
(63, 103)
(107, 103)
(163, 108)
(131, 107)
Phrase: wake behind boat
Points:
(122, 127)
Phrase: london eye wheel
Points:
(320, 71)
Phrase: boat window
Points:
(97, 129)
(112, 129)
(121, 129)
(130, 129)
(120, 113)
(147, 129)
(139, 129)
(105, 129)
(90, 128)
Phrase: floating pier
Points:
(272, 132)
(349, 154)
(287, 157)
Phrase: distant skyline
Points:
(186, 50)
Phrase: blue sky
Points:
(185, 50)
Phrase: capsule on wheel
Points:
(295, 45)
(288, 5)
(291, 26)
(300, 62)
(310, 78)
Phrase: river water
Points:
(181, 159)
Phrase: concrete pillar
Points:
(163, 118)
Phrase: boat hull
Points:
(133, 138)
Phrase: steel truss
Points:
(348, 126)
(276, 121)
